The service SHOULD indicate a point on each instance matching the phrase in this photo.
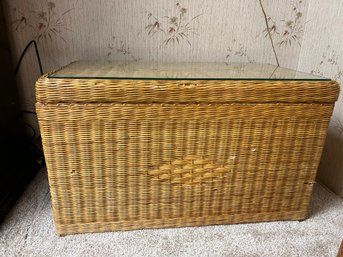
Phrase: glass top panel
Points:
(179, 71)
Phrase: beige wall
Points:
(220, 31)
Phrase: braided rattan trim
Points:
(59, 112)
(49, 90)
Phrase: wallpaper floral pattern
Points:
(329, 58)
(183, 30)
(238, 52)
(118, 47)
(44, 23)
(176, 26)
(290, 29)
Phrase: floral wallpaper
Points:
(120, 50)
(290, 29)
(238, 52)
(44, 23)
(185, 30)
(176, 26)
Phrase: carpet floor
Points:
(28, 230)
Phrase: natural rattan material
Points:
(166, 91)
(119, 158)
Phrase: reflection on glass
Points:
(179, 71)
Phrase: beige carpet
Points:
(29, 231)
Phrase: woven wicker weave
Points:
(127, 154)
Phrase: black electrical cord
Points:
(23, 54)
(33, 131)
(36, 140)
(29, 112)
(33, 139)
(34, 43)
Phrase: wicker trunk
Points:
(149, 153)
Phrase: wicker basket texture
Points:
(145, 154)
